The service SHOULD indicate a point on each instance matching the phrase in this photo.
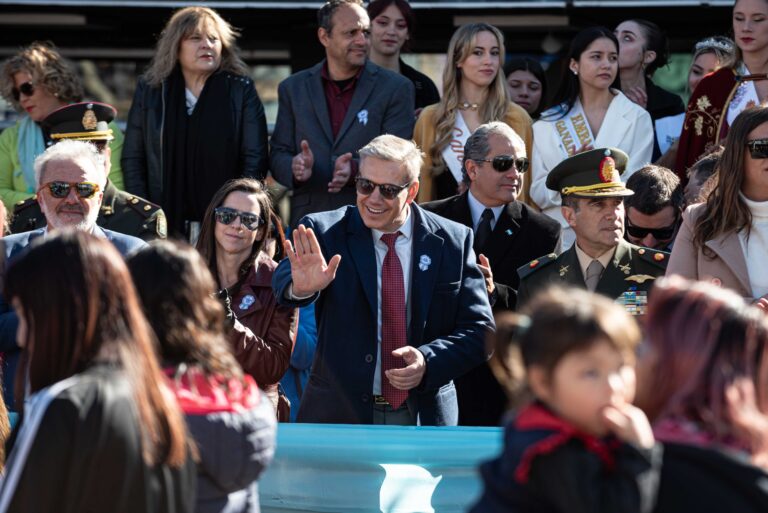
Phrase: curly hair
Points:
(181, 25)
(47, 68)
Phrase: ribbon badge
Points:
(246, 302)
(362, 117)
(424, 262)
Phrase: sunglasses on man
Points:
(758, 148)
(387, 190)
(227, 216)
(503, 163)
(60, 190)
(27, 89)
(660, 234)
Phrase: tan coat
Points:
(424, 135)
(728, 268)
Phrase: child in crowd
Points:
(576, 444)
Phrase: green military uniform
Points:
(120, 211)
(627, 278)
(632, 270)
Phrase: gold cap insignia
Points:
(607, 169)
(89, 120)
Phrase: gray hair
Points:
(326, 12)
(74, 151)
(394, 149)
(477, 145)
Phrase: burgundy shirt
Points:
(338, 98)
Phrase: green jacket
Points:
(13, 187)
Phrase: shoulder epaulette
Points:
(142, 206)
(536, 264)
(25, 204)
(654, 256)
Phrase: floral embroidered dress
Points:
(718, 99)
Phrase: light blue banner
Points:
(333, 468)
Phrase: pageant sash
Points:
(453, 154)
(744, 97)
(573, 130)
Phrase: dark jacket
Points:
(142, 160)
(547, 466)
(88, 452)
(264, 332)
(710, 481)
(425, 89)
(234, 433)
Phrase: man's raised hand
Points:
(309, 271)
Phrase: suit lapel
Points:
(728, 248)
(360, 242)
(427, 247)
(504, 233)
(316, 92)
(363, 89)
(569, 268)
(613, 274)
(615, 124)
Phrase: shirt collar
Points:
(585, 260)
(476, 209)
(327, 76)
(406, 230)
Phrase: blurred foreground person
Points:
(577, 444)
(99, 432)
(229, 418)
(703, 381)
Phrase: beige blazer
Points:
(728, 268)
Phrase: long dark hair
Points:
(206, 244)
(89, 313)
(569, 88)
(174, 287)
(724, 210)
(376, 7)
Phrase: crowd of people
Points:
(585, 268)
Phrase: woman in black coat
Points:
(196, 120)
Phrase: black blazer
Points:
(520, 235)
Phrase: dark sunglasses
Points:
(27, 89)
(502, 163)
(660, 234)
(226, 215)
(758, 148)
(60, 190)
(387, 190)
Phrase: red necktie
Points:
(393, 329)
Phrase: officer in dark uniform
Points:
(600, 260)
(120, 211)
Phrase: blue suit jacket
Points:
(13, 247)
(450, 316)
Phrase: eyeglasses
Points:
(27, 89)
(387, 190)
(758, 148)
(226, 215)
(60, 190)
(502, 163)
(660, 234)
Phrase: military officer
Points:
(600, 259)
(120, 211)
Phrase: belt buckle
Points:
(379, 399)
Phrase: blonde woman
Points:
(474, 93)
(196, 120)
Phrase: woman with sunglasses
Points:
(37, 81)
(232, 243)
(100, 431)
(590, 112)
(474, 93)
(196, 120)
(721, 96)
(725, 239)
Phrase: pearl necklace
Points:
(468, 106)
